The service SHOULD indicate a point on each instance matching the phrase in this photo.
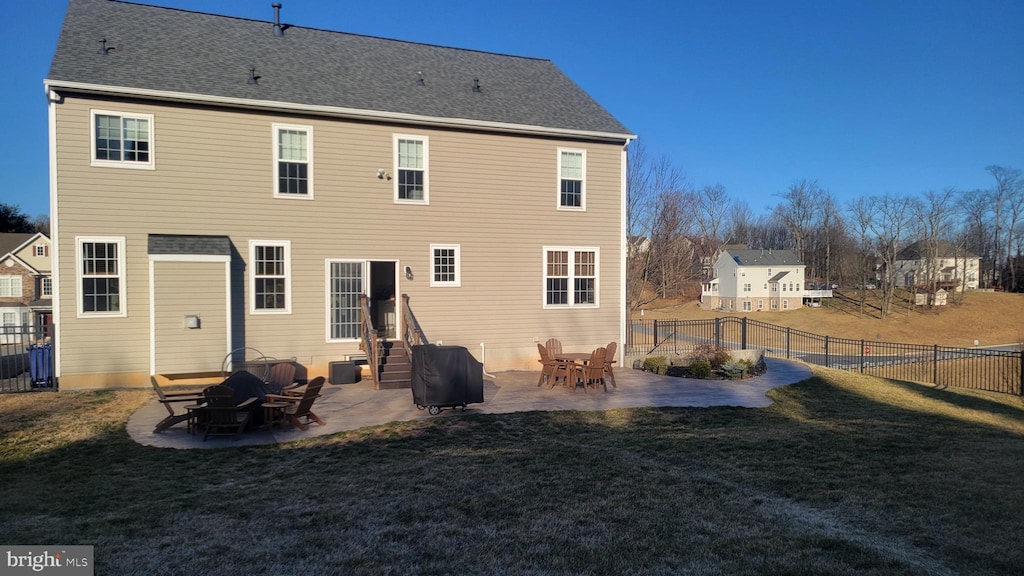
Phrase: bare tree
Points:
(889, 226)
(1007, 181)
(741, 225)
(933, 217)
(712, 205)
(657, 219)
(862, 213)
(797, 211)
(975, 209)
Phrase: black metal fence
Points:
(26, 359)
(978, 368)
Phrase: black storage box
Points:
(343, 372)
(445, 376)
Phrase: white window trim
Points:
(39, 248)
(426, 167)
(275, 130)
(9, 278)
(287, 244)
(583, 183)
(42, 286)
(572, 275)
(150, 165)
(121, 276)
(327, 294)
(458, 266)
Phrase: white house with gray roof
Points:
(751, 280)
(220, 183)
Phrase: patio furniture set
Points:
(242, 401)
(576, 368)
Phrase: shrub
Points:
(652, 364)
(735, 368)
(700, 368)
(714, 355)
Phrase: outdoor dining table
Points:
(572, 359)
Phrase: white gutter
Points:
(336, 111)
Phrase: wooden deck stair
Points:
(395, 370)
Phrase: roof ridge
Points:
(328, 31)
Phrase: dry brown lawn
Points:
(988, 317)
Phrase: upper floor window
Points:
(572, 171)
(100, 270)
(46, 286)
(40, 250)
(122, 140)
(270, 276)
(411, 169)
(445, 265)
(746, 287)
(293, 161)
(10, 286)
(570, 277)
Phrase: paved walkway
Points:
(352, 406)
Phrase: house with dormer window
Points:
(26, 286)
(223, 184)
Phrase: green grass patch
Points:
(844, 474)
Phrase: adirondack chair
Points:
(612, 347)
(593, 371)
(168, 399)
(221, 416)
(299, 406)
(551, 370)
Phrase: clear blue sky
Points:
(866, 97)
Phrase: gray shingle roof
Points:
(918, 251)
(164, 49)
(747, 257)
(188, 244)
(11, 240)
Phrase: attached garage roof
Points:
(188, 244)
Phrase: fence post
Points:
(655, 334)
(1020, 390)
(718, 332)
(862, 356)
(787, 342)
(743, 337)
(935, 364)
(826, 352)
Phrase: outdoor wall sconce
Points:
(408, 272)
(382, 174)
(192, 322)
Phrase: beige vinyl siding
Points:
(493, 194)
(28, 255)
(184, 289)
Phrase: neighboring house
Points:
(749, 280)
(953, 268)
(221, 182)
(25, 286)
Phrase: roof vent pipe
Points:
(278, 30)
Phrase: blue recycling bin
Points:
(40, 358)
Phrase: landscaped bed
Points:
(844, 474)
(707, 361)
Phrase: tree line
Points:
(12, 219)
(676, 230)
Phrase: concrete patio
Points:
(353, 406)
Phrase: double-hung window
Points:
(293, 161)
(572, 172)
(46, 286)
(270, 276)
(10, 286)
(412, 160)
(122, 140)
(570, 277)
(445, 268)
(100, 270)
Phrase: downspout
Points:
(483, 360)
